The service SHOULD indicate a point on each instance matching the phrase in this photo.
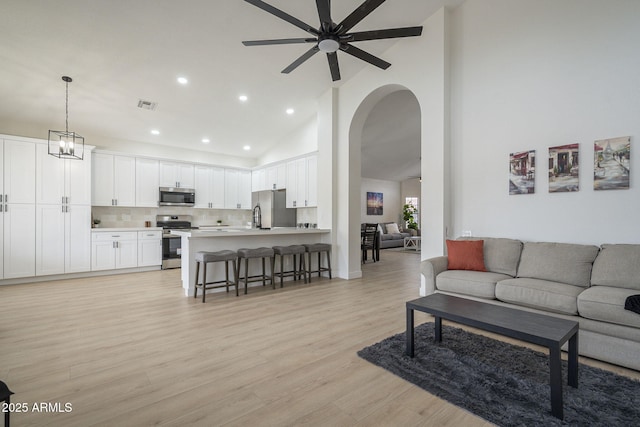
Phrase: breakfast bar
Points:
(217, 239)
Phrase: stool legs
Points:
(226, 282)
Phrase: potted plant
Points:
(96, 223)
(408, 211)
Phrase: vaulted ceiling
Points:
(121, 51)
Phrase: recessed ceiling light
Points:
(155, 132)
(246, 148)
(182, 80)
(206, 140)
(290, 111)
(243, 98)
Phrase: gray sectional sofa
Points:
(586, 283)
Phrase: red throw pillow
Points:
(466, 255)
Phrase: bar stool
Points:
(319, 248)
(207, 257)
(248, 254)
(299, 267)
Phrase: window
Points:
(415, 203)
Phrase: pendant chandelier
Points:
(65, 144)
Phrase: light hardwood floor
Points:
(131, 350)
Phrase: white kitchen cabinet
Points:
(19, 172)
(113, 180)
(19, 240)
(63, 239)
(269, 178)
(312, 181)
(302, 182)
(210, 187)
(17, 203)
(258, 180)
(113, 250)
(62, 181)
(147, 182)
(237, 189)
(149, 248)
(63, 214)
(179, 175)
(276, 177)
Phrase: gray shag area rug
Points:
(505, 384)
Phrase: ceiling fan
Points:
(331, 37)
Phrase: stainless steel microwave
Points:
(170, 196)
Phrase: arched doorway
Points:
(385, 150)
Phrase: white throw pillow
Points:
(392, 228)
(380, 230)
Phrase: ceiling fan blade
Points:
(324, 12)
(277, 41)
(284, 16)
(367, 57)
(384, 34)
(358, 15)
(333, 66)
(308, 54)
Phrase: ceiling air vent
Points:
(147, 105)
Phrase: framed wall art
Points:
(564, 168)
(374, 203)
(522, 172)
(611, 164)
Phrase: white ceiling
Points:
(120, 51)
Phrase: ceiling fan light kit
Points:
(65, 144)
(331, 37)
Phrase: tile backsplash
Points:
(115, 217)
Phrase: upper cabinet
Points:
(174, 174)
(302, 182)
(269, 178)
(113, 180)
(210, 187)
(147, 182)
(237, 189)
(19, 172)
(60, 181)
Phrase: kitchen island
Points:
(217, 239)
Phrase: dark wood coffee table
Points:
(548, 331)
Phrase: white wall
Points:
(419, 65)
(535, 74)
(302, 141)
(392, 203)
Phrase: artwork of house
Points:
(522, 167)
(563, 168)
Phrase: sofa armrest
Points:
(430, 269)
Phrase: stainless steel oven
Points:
(171, 243)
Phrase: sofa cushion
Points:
(465, 255)
(617, 266)
(500, 255)
(558, 262)
(392, 228)
(541, 294)
(394, 236)
(606, 303)
(473, 283)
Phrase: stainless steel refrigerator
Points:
(273, 209)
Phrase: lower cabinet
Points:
(112, 250)
(149, 248)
